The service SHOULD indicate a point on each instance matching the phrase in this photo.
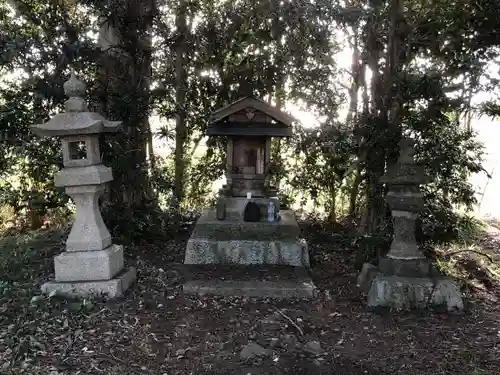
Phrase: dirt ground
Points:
(156, 329)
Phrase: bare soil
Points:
(156, 329)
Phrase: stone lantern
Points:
(406, 202)
(91, 264)
(405, 278)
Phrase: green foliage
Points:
(38, 42)
(281, 51)
(20, 253)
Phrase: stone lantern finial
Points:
(75, 91)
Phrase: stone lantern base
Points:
(409, 284)
(85, 273)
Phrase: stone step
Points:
(263, 281)
(256, 288)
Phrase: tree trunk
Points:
(386, 110)
(125, 71)
(352, 118)
(332, 216)
(375, 157)
(180, 98)
(279, 93)
(353, 196)
(393, 101)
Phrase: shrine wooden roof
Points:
(250, 117)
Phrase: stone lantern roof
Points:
(406, 171)
(77, 120)
(404, 179)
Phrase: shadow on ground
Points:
(157, 329)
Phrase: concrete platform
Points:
(269, 281)
(234, 241)
(262, 289)
(110, 288)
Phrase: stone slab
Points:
(366, 276)
(81, 176)
(408, 267)
(89, 265)
(257, 288)
(234, 228)
(235, 206)
(110, 288)
(412, 292)
(209, 251)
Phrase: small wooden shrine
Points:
(225, 234)
(249, 124)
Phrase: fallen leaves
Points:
(156, 329)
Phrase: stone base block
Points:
(257, 288)
(413, 292)
(234, 228)
(234, 241)
(89, 265)
(366, 276)
(207, 251)
(111, 288)
(235, 206)
(408, 267)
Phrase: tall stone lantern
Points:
(91, 264)
(405, 278)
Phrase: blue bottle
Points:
(271, 211)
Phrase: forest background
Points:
(358, 74)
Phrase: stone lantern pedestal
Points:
(405, 278)
(91, 264)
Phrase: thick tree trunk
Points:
(352, 118)
(353, 195)
(386, 109)
(385, 115)
(125, 72)
(332, 216)
(180, 98)
(375, 157)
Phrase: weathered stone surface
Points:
(234, 228)
(256, 288)
(88, 231)
(110, 288)
(207, 251)
(408, 267)
(404, 244)
(82, 176)
(238, 242)
(365, 277)
(89, 265)
(407, 292)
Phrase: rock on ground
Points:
(313, 347)
(253, 350)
